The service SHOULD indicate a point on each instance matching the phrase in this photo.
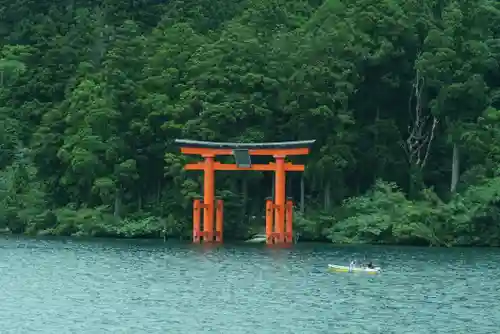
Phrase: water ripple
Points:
(102, 286)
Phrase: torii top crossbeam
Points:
(272, 145)
(217, 148)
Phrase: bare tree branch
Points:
(429, 143)
(420, 130)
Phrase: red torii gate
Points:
(281, 209)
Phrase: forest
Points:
(402, 98)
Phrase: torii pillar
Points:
(279, 215)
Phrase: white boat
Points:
(257, 239)
(345, 269)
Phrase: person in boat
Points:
(370, 265)
(352, 265)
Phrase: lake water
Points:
(106, 286)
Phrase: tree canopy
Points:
(403, 98)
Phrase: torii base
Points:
(208, 235)
(278, 232)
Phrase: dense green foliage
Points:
(402, 97)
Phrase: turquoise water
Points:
(105, 286)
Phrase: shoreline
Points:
(4, 235)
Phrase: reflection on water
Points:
(109, 286)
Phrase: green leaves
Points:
(385, 215)
(97, 95)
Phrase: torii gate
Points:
(275, 233)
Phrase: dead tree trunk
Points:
(455, 168)
(421, 132)
(327, 196)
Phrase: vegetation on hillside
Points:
(402, 97)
